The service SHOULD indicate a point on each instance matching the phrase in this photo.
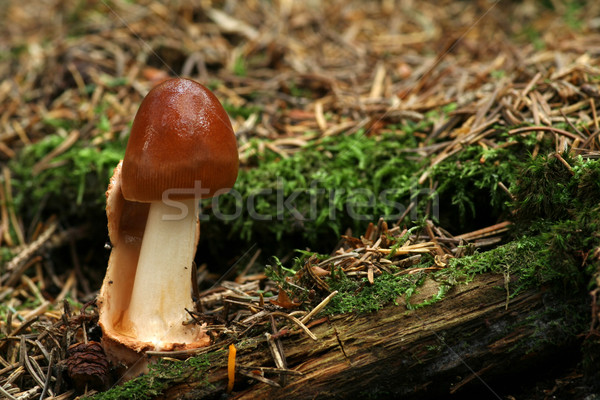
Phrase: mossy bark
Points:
(471, 341)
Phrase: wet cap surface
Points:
(181, 141)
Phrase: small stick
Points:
(527, 89)
(338, 257)
(564, 162)
(279, 362)
(17, 365)
(296, 321)
(27, 363)
(29, 319)
(534, 110)
(31, 248)
(424, 247)
(319, 117)
(490, 230)
(258, 316)
(260, 378)
(370, 277)
(571, 124)
(544, 108)
(34, 289)
(318, 308)
(40, 346)
(276, 150)
(279, 354)
(46, 387)
(433, 239)
(5, 223)
(5, 393)
(505, 189)
(84, 331)
(406, 211)
(377, 87)
(542, 128)
(11, 211)
(593, 106)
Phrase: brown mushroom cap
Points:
(181, 138)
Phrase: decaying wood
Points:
(470, 341)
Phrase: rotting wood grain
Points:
(452, 346)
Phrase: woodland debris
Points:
(298, 74)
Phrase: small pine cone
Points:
(87, 365)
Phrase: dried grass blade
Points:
(260, 378)
(484, 232)
(296, 321)
(318, 308)
(11, 211)
(26, 362)
(7, 394)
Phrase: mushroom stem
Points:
(162, 286)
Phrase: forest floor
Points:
(487, 109)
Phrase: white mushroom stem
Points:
(162, 286)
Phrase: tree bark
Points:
(475, 340)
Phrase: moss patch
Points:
(163, 374)
(551, 248)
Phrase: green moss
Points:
(570, 247)
(519, 257)
(555, 250)
(361, 297)
(330, 185)
(71, 187)
(587, 180)
(545, 190)
(336, 183)
(550, 246)
(162, 374)
(470, 180)
(562, 207)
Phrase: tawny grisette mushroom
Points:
(181, 148)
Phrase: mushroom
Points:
(181, 148)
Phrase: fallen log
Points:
(476, 340)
